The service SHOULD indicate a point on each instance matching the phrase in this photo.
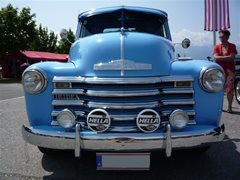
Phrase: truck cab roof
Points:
(120, 8)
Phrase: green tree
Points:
(63, 45)
(44, 40)
(17, 29)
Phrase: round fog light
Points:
(66, 119)
(178, 119)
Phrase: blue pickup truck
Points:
(123, 90)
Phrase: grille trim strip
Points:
(78, 113)
(127, 93)
(144, 105)
(67, 103)
(105, 105)
(177, 91)
(130, 80)
(68, 91)
(123, 93)
(178, 102)
(189, 112)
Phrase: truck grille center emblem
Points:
(122, 64)
(98, 120)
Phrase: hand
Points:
(224, 58)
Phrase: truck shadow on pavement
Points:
(221, 161)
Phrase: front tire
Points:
(237, 90)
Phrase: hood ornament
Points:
(122, 65)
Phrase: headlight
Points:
(212, 79)
(66, 119)
(178, 119)
(34, 81)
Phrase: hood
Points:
(122, 55)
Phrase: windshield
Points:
(131, 21)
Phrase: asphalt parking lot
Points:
(19, 160)
(10, 90)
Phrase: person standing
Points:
(224, 55)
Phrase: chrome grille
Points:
(123, 98)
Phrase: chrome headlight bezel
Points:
(43, 81)
(202, 79)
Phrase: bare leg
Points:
(230, 101)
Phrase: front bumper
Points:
(167, 140)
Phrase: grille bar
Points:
(143, 105)
(78, 113)
(68, 91)
(177, 91)
(123, 93)
(142, 80)
(67, 103)
(138, 105)
(178, 102)
(189, 112)
(126, 93)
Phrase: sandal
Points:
(230, 110)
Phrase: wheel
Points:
(48, 151)
(237, 90)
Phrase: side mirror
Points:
(64, 34)
(186, 43)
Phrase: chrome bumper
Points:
(167, 140)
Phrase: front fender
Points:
(208, 106)
(39, 106)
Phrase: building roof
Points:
(37, 55)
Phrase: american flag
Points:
(217, 15)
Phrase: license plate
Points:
(123, 161)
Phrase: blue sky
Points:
(186, 17)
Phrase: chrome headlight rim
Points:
(171, 118)
(44, 77)
(203, 73)
(73, 120)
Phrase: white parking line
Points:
(11, 99)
